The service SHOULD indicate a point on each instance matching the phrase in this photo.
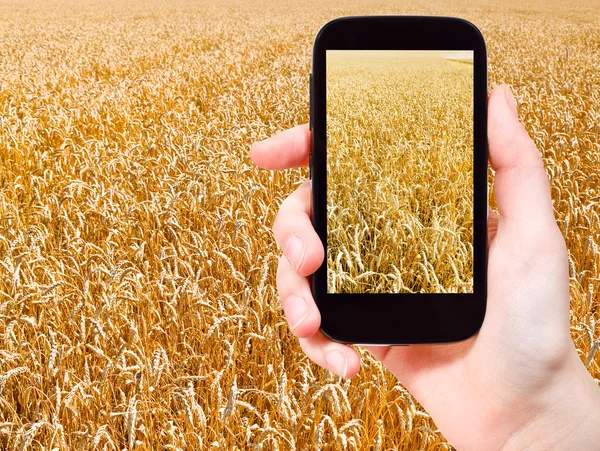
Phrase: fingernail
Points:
(294, 251)
(296, 309)
(511, 99)
(337, 362)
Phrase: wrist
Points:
(566, 417)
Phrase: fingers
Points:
(338, 358)
(520, 183)
(295, 234)
(288, 149)
(304, 320)
(303, 254)
(300, 310)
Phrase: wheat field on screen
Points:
(399, 171)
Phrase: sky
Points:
(450, 54)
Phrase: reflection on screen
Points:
(399, 171)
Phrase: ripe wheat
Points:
(128, 202)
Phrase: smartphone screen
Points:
(400, 159)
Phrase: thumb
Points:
(520, 183)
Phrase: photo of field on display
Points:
(399, 171)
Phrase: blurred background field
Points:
(137, 300)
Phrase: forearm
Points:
(570, 419)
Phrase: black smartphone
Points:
(399, 179)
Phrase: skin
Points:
(517, 384)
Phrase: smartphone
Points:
(398, 172)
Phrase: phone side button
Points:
(310, 166)
(310, 99)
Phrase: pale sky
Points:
(401, 54)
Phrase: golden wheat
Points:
(399, 172)
(137, 264)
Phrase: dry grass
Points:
(137, 300)
(400, 173)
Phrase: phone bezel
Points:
(399, 318)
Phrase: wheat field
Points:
(399, 172)
(137, 265)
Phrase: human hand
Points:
(519, 382)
